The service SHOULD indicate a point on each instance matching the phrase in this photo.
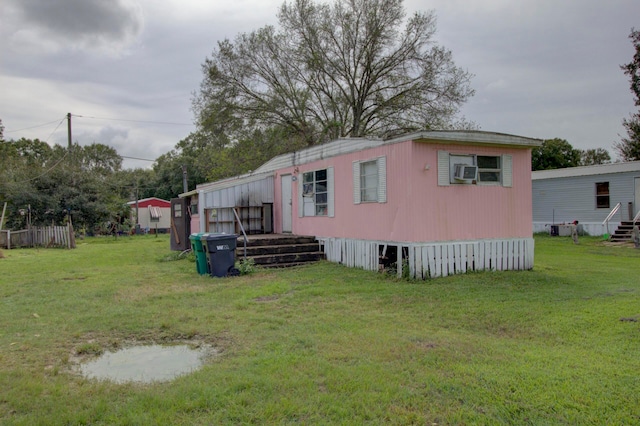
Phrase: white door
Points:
(286, 203)
(636, 205)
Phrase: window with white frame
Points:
(316, 193)
(491, 169)
(370, 181)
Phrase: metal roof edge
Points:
(320, 152)
(142, 200)
(471, 137)
(188, 194)
(232, 181)
(598, 169)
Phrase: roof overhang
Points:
(599, 169)
(227, 183)
(472, 137)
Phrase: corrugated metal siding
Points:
(574, 198)
(248, 194)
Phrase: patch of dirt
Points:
(617, 243)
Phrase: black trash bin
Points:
(220, 250)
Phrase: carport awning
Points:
(155, 213)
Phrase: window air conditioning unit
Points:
(465, 172)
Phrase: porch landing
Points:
(279, 250)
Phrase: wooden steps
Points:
(624, 232)
(279, 251)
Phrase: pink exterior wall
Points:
(417, 209)
(195, 223)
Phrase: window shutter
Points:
(300, 200)
(382, 179)
(356, 182)
(443, 168)
(507, 171)
(330, 192)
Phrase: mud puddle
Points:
(146, 364)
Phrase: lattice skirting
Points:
(430, 260)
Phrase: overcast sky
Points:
(127, 69)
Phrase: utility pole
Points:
(69, 128)
(137, 209)
(185, 187)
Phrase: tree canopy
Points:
(591, 157)
(554, 154)
(629, 147)
(557, 153)
(352, 68)
(56, 183)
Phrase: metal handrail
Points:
(636, 218)
(613, 211)
(243, 233)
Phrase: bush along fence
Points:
(39, 236)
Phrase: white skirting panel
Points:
(430, 260)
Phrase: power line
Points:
(46, 171)
(135, 121)
(136, 158)
(32, 127)
(54, 130)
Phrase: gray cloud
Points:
(76, 24)
(543, 68)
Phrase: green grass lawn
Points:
(324, 344)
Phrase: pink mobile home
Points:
(444, 202)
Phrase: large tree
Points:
(348, 69)
(554, 154)
(629, 147)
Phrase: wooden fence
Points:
(431, 260)
(39, 236)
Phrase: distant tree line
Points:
(51, 185)
(558, 153)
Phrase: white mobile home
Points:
(586, 194)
